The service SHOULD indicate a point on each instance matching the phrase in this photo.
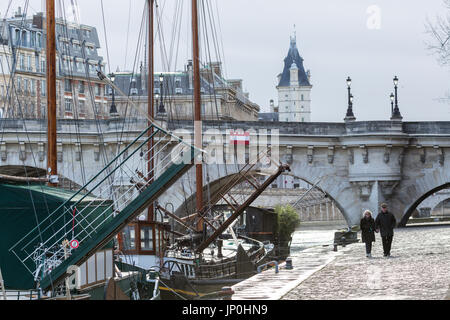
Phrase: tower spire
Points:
(294, 38)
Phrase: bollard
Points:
(227, 292)
(219, 248)
(289, 264)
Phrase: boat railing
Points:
(23, 295)
(217, 270)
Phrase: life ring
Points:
(74, 244)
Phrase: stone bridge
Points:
(359, 164)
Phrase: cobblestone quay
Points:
(419, 268)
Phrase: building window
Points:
(17, 37)
(81, 87)
(22, 61)
(36, 62)
(43, 65)
(32, 110)
(19, 84)
(303, 119)
(78, 66)
(43, 88)
(67, 85)
(68, 105)
(146, 238)
(43, 111)
(81, 106)
(302, 98)
(178, 90)
(29, 63)
(33, 86)
(39, 40)
(25, 86)
(98, 89)
(33, 39)
(24, 39)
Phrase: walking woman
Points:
(368, 231)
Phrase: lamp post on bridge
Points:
(113, 109)
(392, 104)
(396, 111)
(161, 109)
(349, 116)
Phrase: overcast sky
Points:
(370, 41)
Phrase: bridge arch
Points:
(411, 208)
(188, 206)
(439, 205)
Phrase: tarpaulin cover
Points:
(22, 207)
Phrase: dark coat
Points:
(386, 223)
(367, 230)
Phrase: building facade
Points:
(294, 88)
(80, 94)
(220, 99)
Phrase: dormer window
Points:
(39, 40)
(178, 82)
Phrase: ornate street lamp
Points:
(113, 108)
(161, 109)
(392, 104)
(349, 116)
(396, 113)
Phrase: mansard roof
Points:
(293, 56)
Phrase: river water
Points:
(311, 234)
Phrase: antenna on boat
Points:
(52, 163)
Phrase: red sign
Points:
(239, 138)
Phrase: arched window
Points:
(24, 38)
(39, 40)
(17, 37)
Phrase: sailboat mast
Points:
(151, 108)
(197, 110)
(52, 169)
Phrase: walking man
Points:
(385, 223)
